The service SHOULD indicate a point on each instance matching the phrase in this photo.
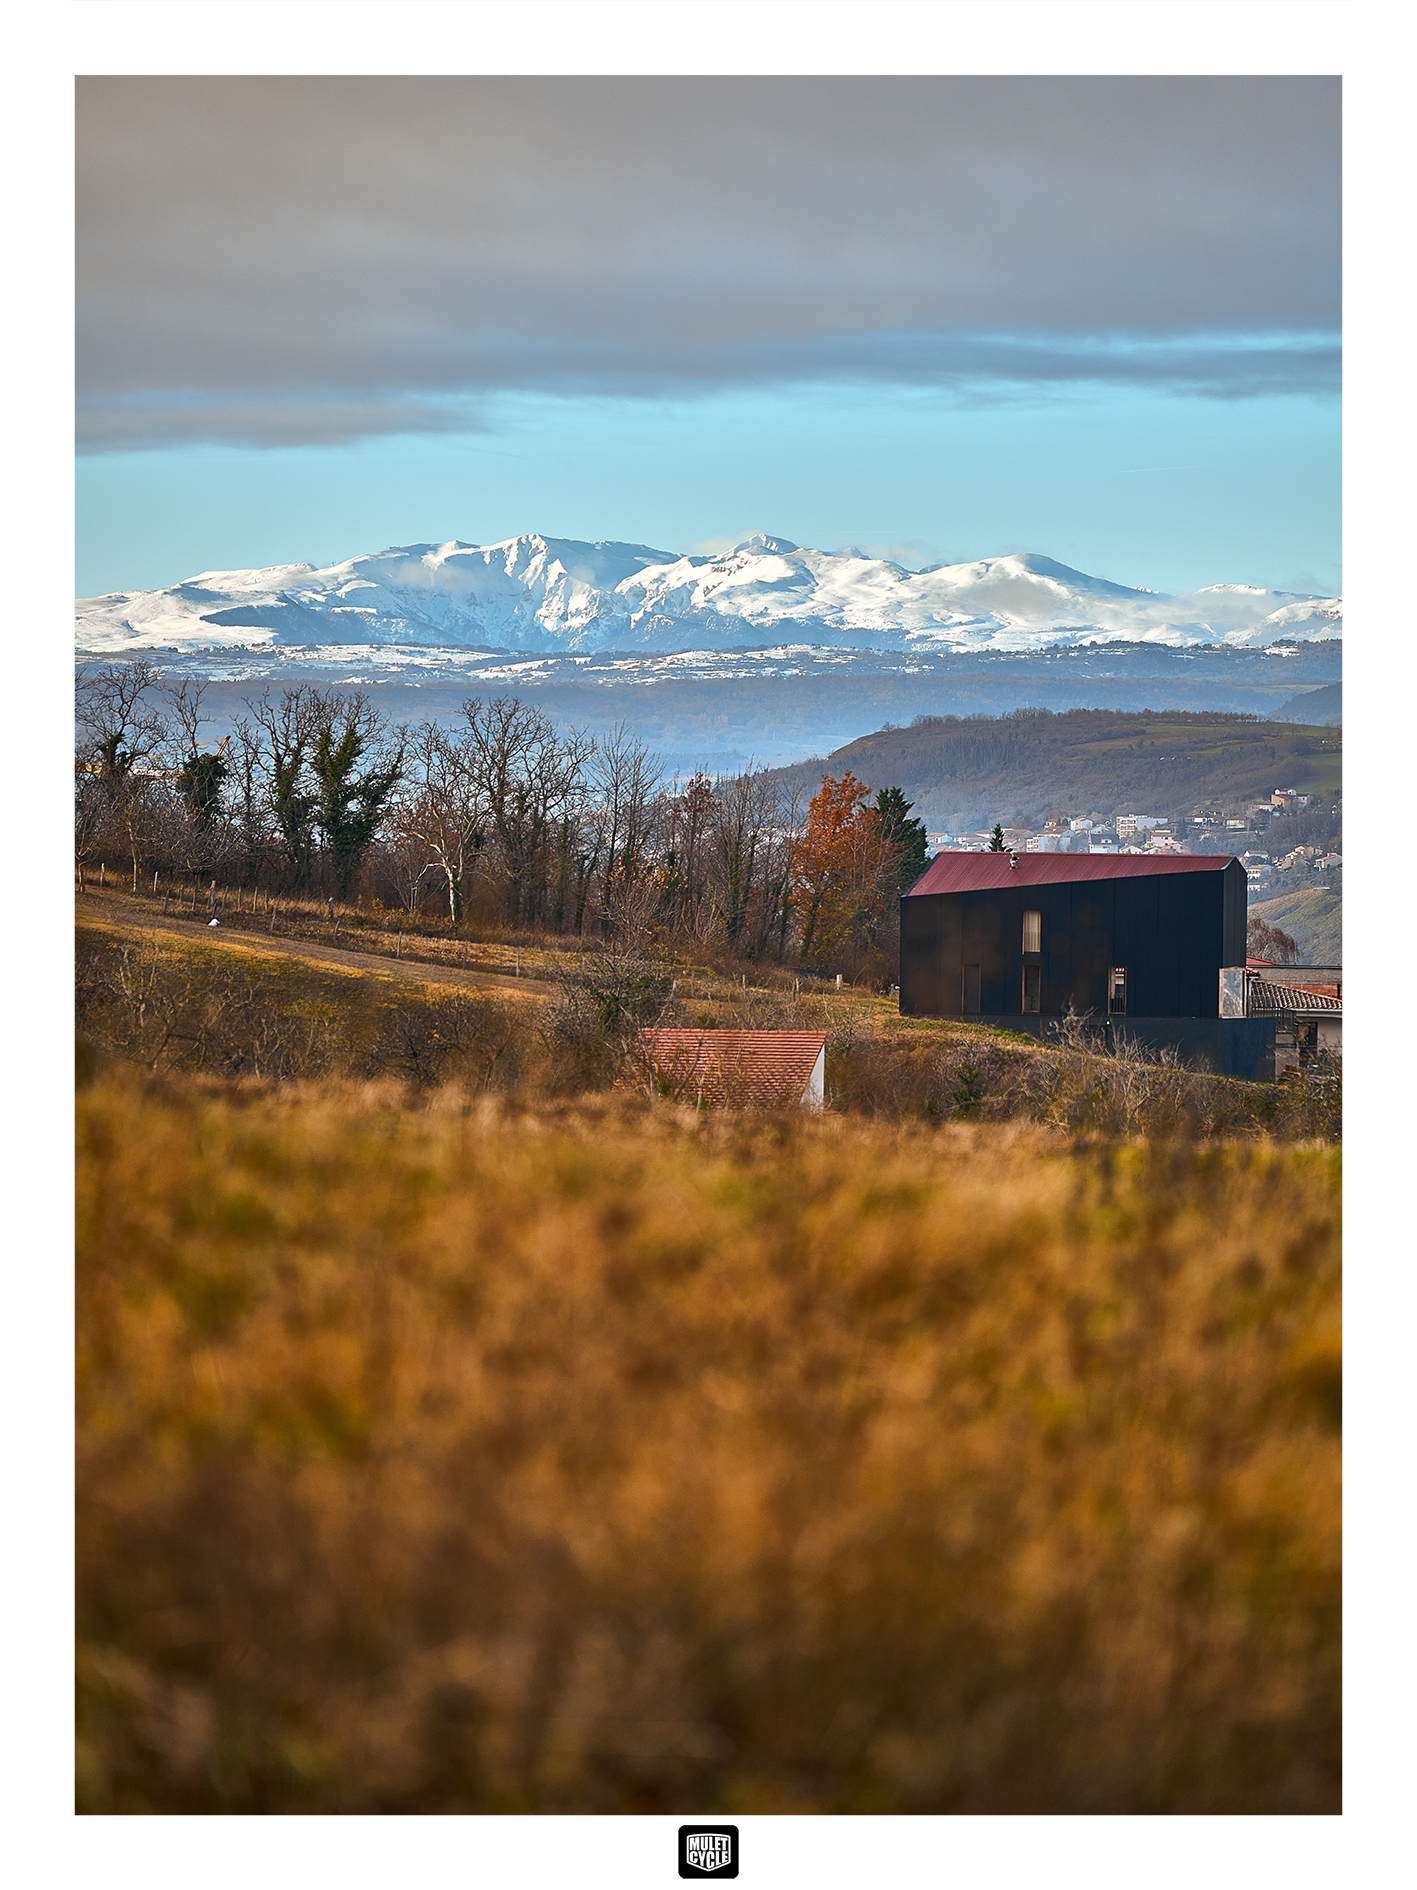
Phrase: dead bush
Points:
(472, 1040)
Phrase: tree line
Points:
(499, 818)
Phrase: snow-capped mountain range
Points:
(544, 595)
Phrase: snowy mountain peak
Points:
(541, 594)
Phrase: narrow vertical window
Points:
(1032, 931)
(1032, 986)
(970, 997)
(1117, 991)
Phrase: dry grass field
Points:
(493, 1454)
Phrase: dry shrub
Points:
(616, 1458)
(475, 1042)
(137, 1002)
(1069, 1082)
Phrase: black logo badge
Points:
(708, 1850)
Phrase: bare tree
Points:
(249, 828)
(118, 724)
(624, 775)
(442, 810)
(687, 823)
(777, 855)
(529, 779)
(92, 813)
(183, 701)
(746, 804)
(143, 809)
(402, 866)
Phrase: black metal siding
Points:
(1172, 932)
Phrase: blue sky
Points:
(936, 318)
(1148, 488)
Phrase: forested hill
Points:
(965, 772)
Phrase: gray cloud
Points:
(286, 260)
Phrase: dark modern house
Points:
(1133, 943)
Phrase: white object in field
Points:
(212, 922)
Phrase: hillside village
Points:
(1265, 835)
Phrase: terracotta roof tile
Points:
(752, 1068)
(1271, 994)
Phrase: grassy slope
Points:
(352, 1004)
(1314, 920)
(614, 1459)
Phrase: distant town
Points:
(1274, 839)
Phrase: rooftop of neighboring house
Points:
(1285, 991)
(752, 1068)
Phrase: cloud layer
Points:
(300, 261)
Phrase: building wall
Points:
(1172, 931)
(1248, 1047)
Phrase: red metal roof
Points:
(753, 1067)
(978, 872)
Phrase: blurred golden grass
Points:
(602, 1456)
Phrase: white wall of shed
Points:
(814, 1096)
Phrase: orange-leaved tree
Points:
(842, 868)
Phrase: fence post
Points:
(398, 948)
(165, 898)
(102, 874)
(154, 885)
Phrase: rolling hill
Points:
(964, 773)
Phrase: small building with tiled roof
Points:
(752, 1069)
(1302, 1003)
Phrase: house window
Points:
(1032, 986)
(1117, 991)
(970, 1002)
(1032, 931)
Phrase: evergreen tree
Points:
(996, 840)
(200, 784)
(898, 831)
